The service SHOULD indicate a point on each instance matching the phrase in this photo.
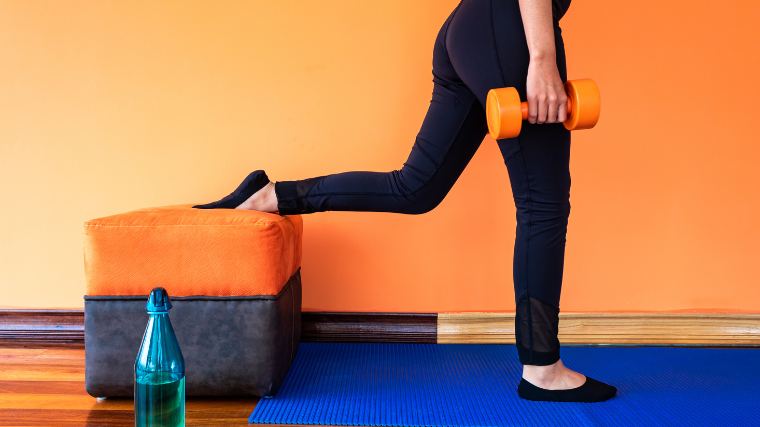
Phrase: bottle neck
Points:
(159, 350)
(158, 325)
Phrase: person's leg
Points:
(481, 46)
(488, 49)
(451, 133)
(538, 161)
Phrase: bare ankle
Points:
(269, 198)
(552, 377)
(541, 373)
(264, 200)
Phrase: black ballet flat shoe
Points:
(254, 182)
(591, 391)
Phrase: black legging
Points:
(481, 46)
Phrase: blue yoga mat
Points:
(475, 385)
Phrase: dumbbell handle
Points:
(524, 108)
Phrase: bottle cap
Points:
(158, 301)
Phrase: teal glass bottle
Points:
(159, 369)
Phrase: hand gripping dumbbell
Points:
(505, 112)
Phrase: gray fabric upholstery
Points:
(231, 345)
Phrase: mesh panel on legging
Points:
(536, 327)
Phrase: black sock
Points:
(591, 391)
(254, 182)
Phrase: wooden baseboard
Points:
(708, 329)
(320, 326)
(66, 327)
(42, 327)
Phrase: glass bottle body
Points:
(159, 376)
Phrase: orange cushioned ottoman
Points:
(234, 280)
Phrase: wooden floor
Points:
(45, 387)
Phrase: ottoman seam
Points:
(262, 297)
(268, 222)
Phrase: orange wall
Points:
(112, 106)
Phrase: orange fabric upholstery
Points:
(211, 252)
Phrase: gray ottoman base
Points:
(231, 345)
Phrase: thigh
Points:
(486, 46)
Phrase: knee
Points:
(551, 213)
(417, 192)
(420, 205)
(420, 201)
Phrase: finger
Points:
(542, 109)
(532, 109)
(562, 112)
(551, 109)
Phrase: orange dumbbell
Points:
(505, 112)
